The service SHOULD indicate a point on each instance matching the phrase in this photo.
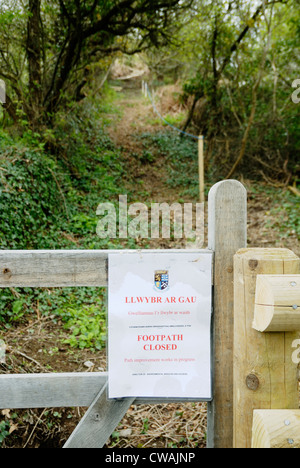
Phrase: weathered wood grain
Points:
(63, 268)
(227, 211)
(265, 376)
(58, 268)
(99, 422)
(277, 303)
(60, 390)
(276, 429)
(50, 390)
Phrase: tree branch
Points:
(33, 50)
(254, 18)
(66, 13)
(254, 101)
(11, 109)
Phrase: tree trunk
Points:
(254, 100)
(11, 109)
(65, 65)
(33, 50)
(217, 72)
(191, 113)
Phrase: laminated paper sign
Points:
(159, 318)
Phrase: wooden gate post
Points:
(227, 226)
(265, 376)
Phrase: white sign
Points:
(159, 319)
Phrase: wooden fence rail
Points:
(50, 390)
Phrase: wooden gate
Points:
(227, 233)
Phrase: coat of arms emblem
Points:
(161, 280)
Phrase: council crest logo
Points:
(161, 280)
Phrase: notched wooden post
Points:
(265, 376)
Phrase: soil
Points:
(36, 345)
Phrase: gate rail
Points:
(227, 211)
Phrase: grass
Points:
(181, 155)
(286, 213)
(283, 215)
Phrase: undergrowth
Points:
(284, 215)
(51, 184)
(181, 156)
